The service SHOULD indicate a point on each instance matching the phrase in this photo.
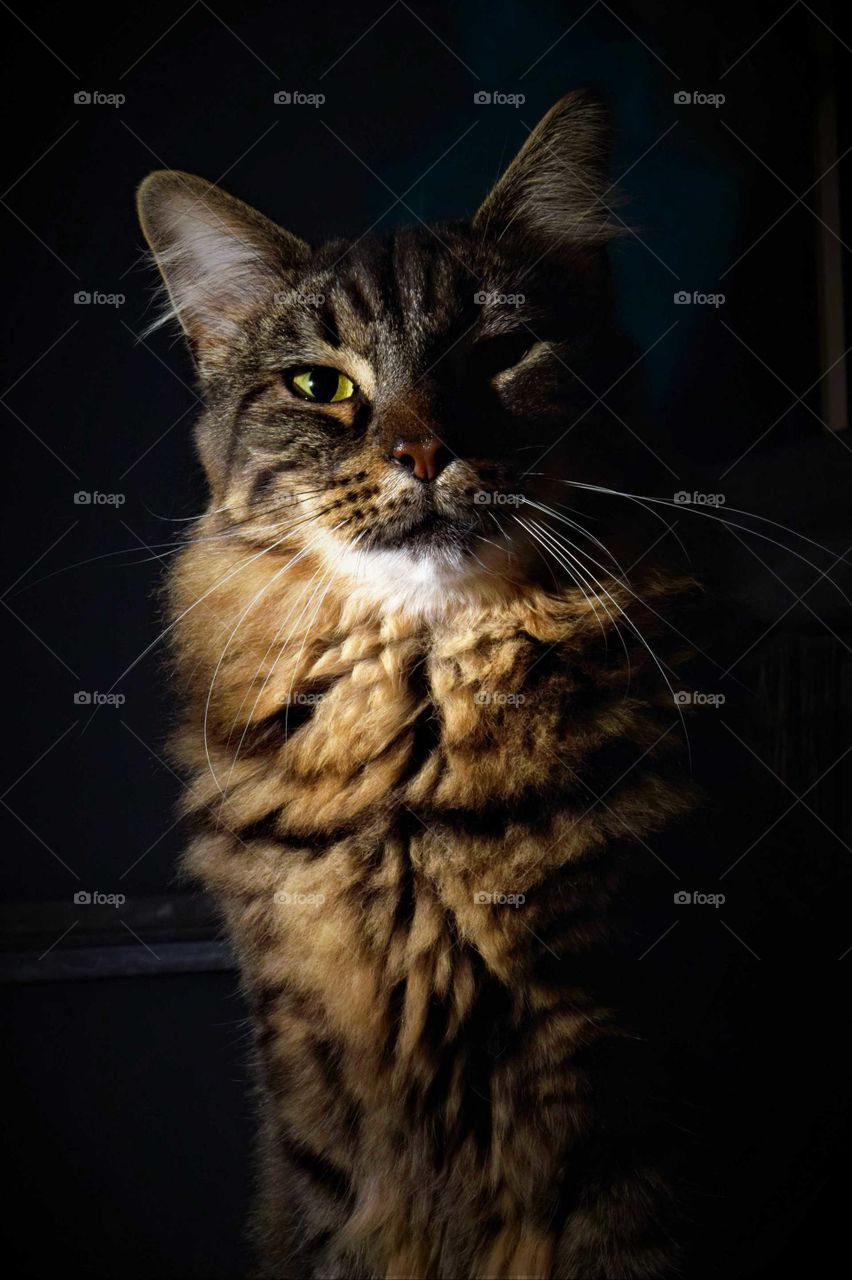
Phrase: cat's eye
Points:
(320, 383)
(494, 355)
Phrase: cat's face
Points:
(383, 400)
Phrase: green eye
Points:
(319, 383)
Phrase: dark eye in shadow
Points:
(494, 355)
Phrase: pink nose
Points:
(425, 459)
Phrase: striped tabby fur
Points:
(420, 756)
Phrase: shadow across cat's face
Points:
(394, 395)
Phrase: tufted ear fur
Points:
(554, 188)
(219, 258)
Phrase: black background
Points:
(129, 1115)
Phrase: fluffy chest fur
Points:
(487, 735)
(411, 827)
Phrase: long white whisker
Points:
(571, 573)
(215, 511)
(164, 548)
(652, 654)
(318, 579)
(714, 515)
(184, 613)
(624, 582)
(588, 577)
(350, 546)
(670, 528)
(300, 555)
(315, 580)
(572, 524)
(503, 534)
(312, 581)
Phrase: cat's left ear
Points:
(555, 188)
(220, 259)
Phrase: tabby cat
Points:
(426, 728)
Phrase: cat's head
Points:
(397, 402)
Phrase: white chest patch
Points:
(421, 584)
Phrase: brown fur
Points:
(444, 1081)
(357, 808)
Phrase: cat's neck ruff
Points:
(420, 584)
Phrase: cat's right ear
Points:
(220, 259)
(555, 189)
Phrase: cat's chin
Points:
(422, 580)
